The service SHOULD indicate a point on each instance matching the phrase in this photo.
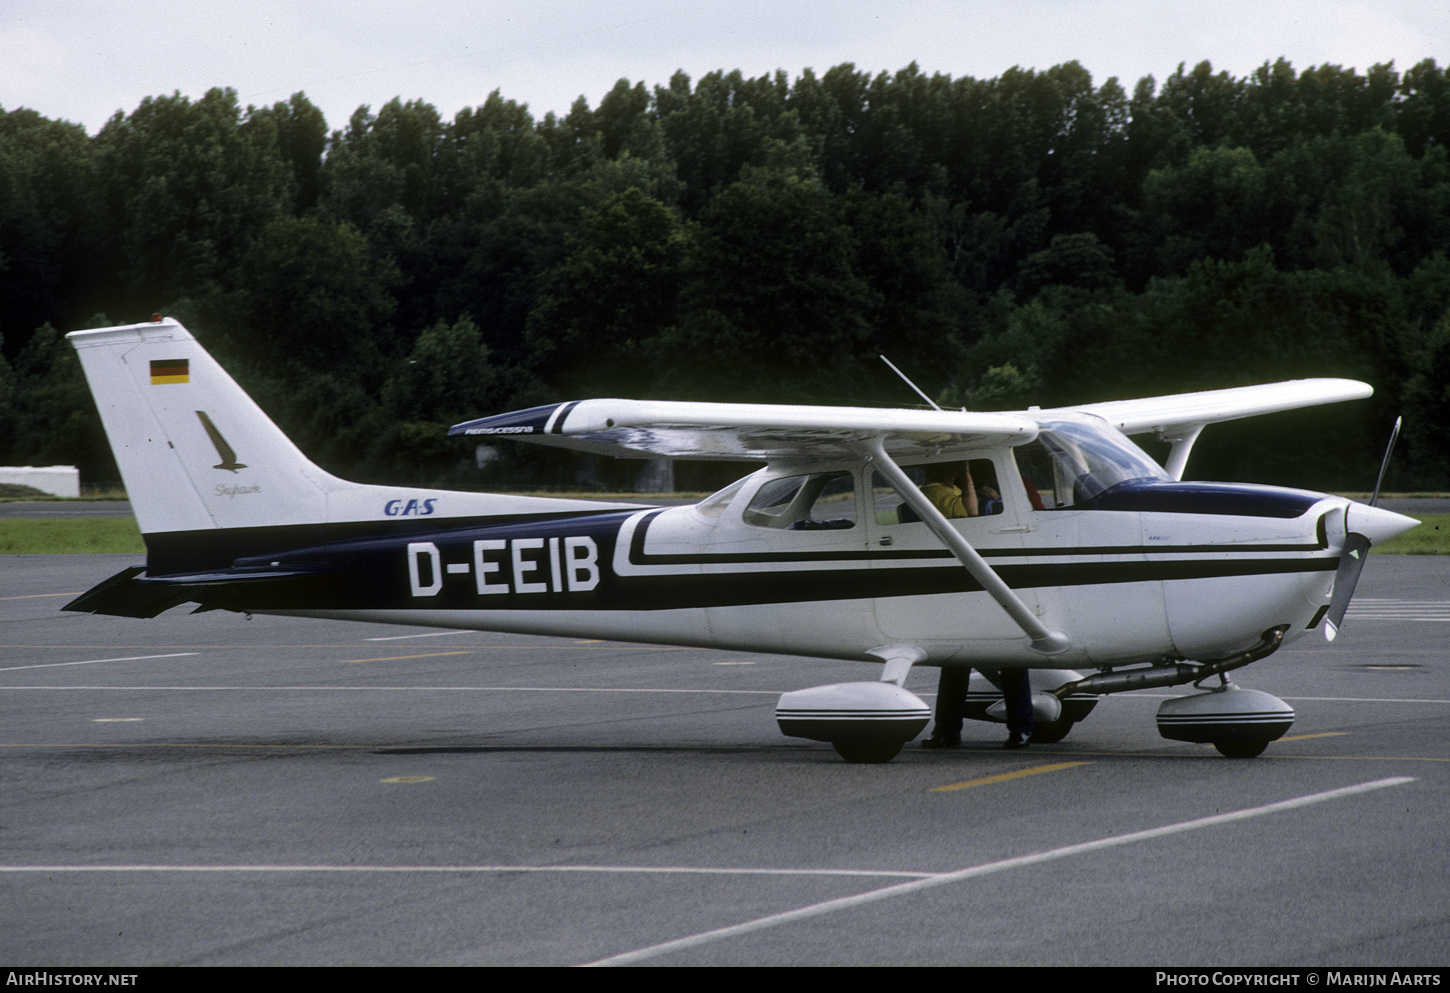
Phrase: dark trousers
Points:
(951, 699)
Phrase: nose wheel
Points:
(867, 752)
(1240, 749)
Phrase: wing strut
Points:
(1182, 439)
(1043, 640)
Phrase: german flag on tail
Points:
(164, 371)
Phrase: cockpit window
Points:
(1072, 462)
(890, 509)
(821, 501)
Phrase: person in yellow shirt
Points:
(950, 489)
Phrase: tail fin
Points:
(195, 452)
(197, 455)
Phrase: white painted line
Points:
(1143, 697)
(430, 634)
(1359, 699)
(394, 689)
(662, 870)
(129, 658)
(916, 886)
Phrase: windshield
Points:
(1071, 462)
(714, 505)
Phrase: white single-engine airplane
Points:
(1094, 556)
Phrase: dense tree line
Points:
(1031, 238)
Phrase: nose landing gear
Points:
(1240, 723)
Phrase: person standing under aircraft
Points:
(944, 488)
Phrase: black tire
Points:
(1240, 749)
(1051, 732)
(867, 752)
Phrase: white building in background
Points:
(57, 480)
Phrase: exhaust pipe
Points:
(1171, 675)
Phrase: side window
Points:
(931, 479)
(822, 501)
(1047, 487)
(888, 503)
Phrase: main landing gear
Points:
(865, 722)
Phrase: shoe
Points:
(1017, 741)
(940, 740)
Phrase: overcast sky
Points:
(82, 60)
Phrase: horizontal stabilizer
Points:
(130, 594)
(123, 595)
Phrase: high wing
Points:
(1171, 414)
(1180, 418)
(747, 431)
(771, 432)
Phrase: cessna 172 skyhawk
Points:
(1094, 556)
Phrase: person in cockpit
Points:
(950, 489)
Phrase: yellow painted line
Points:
(395, 658)
(1358, 758)
(1005, 776)
(1294, 737)
(36, 596)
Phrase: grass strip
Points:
(1432, 537)
(69, 536)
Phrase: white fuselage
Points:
(1127, 585)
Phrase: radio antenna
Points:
(908, 382)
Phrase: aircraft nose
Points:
(1376, 523)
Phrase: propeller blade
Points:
(1382, 524)
(1351, 564)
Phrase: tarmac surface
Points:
(214, 790)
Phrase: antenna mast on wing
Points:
(908, 382)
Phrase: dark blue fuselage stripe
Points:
(639, 557)
(558, 427)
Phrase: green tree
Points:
(616, 289)
(300, 135)
(319, 298)
(49, 224)
(189, 189)
(54, 418)
(772, 306)
(1214, 206)
(446, 378)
